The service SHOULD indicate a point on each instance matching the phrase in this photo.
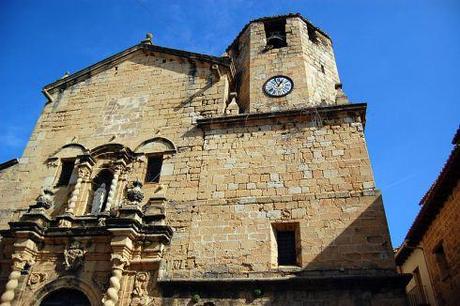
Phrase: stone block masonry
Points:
(185, 183)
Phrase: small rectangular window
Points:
(287, 244)
(441, 260)
(286, 248)
(66, 172)
(154, 169)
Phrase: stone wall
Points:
(292, 294)
(258, 175)
(444, 229)
(147, 95)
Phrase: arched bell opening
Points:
(100, 191)
(65, 297)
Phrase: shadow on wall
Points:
(355, 268)
(194, 86)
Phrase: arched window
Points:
(155, 149)
(101, 188)
(65, 297)
(65, 159)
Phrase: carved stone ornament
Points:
(44, 200)
(140, 294)
(52, 162)
(74, 256)
(64, 223)
(84, 172)
(101, 222)
(119, 261)
(134, 192)
(19, 260)
(101, 279)
(35, 279)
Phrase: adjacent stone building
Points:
(431, 250)
(165, 177)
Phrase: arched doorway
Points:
(66, 297)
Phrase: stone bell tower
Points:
(288, 46)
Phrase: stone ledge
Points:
(242, 119)
(277, 199)
(346, 281)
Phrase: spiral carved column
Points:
(74, 198)
(11, 285)
(112, 297)
(113, 189)
(83, 173)
(13, 281)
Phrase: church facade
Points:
(165, 177)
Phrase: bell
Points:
(276, 39)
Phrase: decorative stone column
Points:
(13, 283)
(83, 173)
(118, 264)
(76, 191)
(113, 188)
(19, 259)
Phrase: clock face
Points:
(278, 86)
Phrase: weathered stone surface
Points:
(223, 187)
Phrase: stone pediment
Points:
(120, 57)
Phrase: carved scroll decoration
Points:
(74, 256)
(36, 279)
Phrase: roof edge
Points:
(9, 163)
(77, 76)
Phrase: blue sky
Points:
(401, 57)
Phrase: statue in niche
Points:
(100, 196)
(101, 188)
